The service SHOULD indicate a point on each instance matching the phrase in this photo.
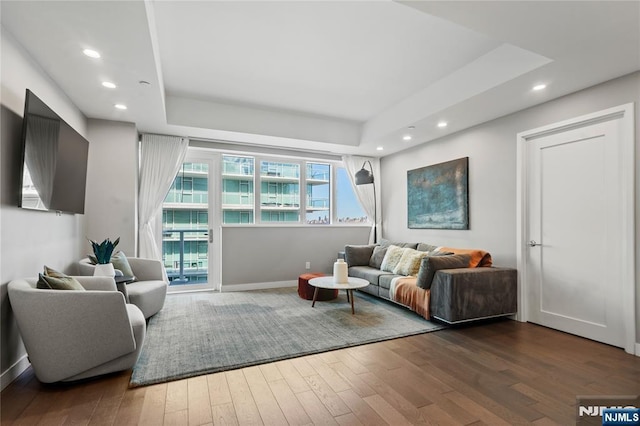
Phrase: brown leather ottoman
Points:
(305, 290)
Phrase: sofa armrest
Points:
(358, 255)
(464, 294)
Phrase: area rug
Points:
(201, 333)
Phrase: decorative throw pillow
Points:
(431, 264)
(409, 263)
(377, 257)
(54, 280)
(391, 258)
(121, 263)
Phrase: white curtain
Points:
(40, 154)
(161, 158)
(365, 193)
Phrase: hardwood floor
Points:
(500, 373)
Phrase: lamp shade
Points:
(364, 176)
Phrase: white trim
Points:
(624, 113)
(258, 286)
(14, 371)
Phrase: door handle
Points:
(532, 243)
(210, 235)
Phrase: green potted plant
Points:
(102, 257)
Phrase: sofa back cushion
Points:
(378, 256)
(387, 243)
(431, 264)
(356, 255)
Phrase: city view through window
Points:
(276, 192)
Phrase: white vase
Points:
(340, 274)
(104, 270)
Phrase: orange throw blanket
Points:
(405, 291)
(478, 257)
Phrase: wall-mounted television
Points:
(54, 166)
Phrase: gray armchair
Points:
(148, 292)
(72, 334)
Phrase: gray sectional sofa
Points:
(454, 291)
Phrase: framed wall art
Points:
(438, 196)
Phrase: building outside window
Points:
(279, 192)
(237, 189)
(318, 205)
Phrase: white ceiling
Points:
(335, 76)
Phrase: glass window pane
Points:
(279, 191)
(318, 205)
(237, 189)
(348, 208)
(185, 225)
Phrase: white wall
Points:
(278, 253)
(112, 186)
(29, 239)
(491, 148)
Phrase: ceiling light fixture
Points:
(442, 124)
(91, 53)
(379, 148)
(539, 87)
(108, 85)
(407, 138)
(120, 106)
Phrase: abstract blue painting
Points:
(438, 196)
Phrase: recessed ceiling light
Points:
(539, 87)
(108, 85)
(120, 106)
(411, 127)
(407, 138)
(379, 148)
(91, 53)
(442, 124)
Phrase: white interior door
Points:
(577, 231)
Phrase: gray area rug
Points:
(200, 333)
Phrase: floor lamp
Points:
(365, 177)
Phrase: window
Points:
(237, 189)
(318, 205)
(286, 191)
(279, 191)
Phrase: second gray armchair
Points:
(148, 292)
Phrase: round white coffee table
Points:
(327, 282)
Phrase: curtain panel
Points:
(160, 159)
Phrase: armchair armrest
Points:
(147, 269)
(97, 283)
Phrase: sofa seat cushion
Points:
(368, 273)
(385, 280)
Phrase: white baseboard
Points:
(638, 349)
(14, 371)
(258, 286)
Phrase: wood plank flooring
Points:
(498, 373)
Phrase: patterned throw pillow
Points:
(391, 258)
(409, 263)
(54, 280)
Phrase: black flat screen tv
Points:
(54, 166)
